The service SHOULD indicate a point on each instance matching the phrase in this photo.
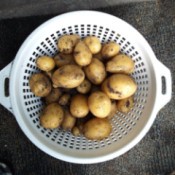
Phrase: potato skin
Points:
(53, 96)
(109, 50)
(99, 104)
(97, 129)
(113, 110)
(84, 87)
(40, 85)
(125, 105)
(52, 116)
(45, 63)
(93, 44)
(82, 54)
(120, 64)
(62, 59)
(119, 86)
(76, 131)
(79, 106)
(64, 99)
(68, 76)
(66, 43)
(95, 71)
(68, 121)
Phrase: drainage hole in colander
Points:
(38, 126)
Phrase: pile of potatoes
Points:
(84, 85)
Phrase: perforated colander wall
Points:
(122, 124)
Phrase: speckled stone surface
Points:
(154, 155)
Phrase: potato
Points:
(84, 87)
(45, 63)
(80, 124)
(119, 86)
(109, 50)
(66, 43)
(62, 59)
(40, 85)
(120, 64)
(113, 110)
(76, 131)
(64, 99)
(53, 96)
(95, 71)
(97, 129)
(68, 76)
(79, 106)
(68, 121)
(52, 116)
(93, 44)
(125, 105)
(82, 54)
(99, 104)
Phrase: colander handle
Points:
(5, 97)
(165, 84)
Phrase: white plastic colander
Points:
(128, 129)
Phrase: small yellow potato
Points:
(52, 116)
(99, 104)
(82, 54)
(95, 71)
(68, 121)
(119, 86)
(120, 64)
(125, 105)
(76, 131)
(68, 76)
(97, 129)
(66, 43)
(84, 87)
(79, 106)
(93, 44)
(45, 63)
(64, 99)
(109, 50)
(40, 85)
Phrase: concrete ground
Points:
(22, 8)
